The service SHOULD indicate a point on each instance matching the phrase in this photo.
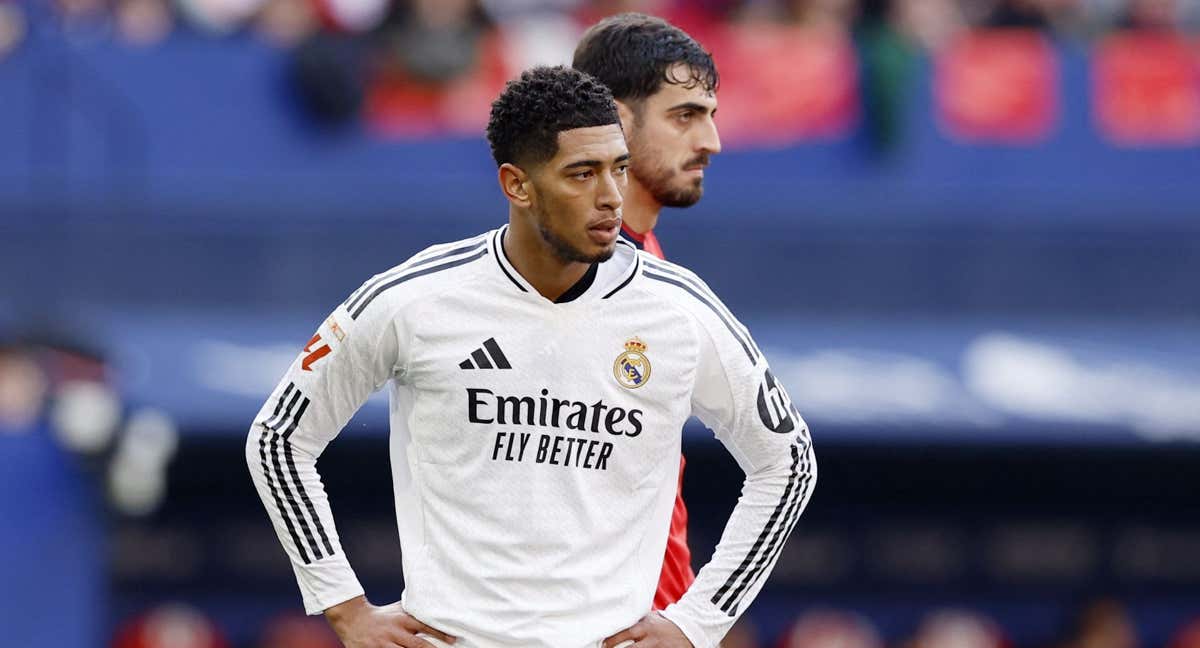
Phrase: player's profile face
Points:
(579, 193)
(671, 137)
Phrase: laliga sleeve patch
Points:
(318, 348)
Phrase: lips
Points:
(605, 231)
(697, 164)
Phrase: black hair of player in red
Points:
(545, 101)
(633, 54)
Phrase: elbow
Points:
(254, 448)
(810, 458)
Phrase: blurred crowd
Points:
(421, 67)
(1101, 624)
(438, 40)
(437, 37)
(61, 413)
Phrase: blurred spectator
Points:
(831, 629)
(170, 626)
(825, 15)
(287, 22)
(536, 32)
(73, 11)
(743, 634)
(438, 40)
(1022, 14)
(958, 629)
(1188, 636)
(1061, 17)
(12, 27)
(1151, 15)
(1103, 624)
(217, 17)
(326, 75)
(929, 24)
(831, 15)
(352, 16)
(23, 389)
(51, 536)
(298, 631)
(143, 22)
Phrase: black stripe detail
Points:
(497, 355)
(774, 544)
(762, 536)
(291, 462)
(278, 406)
(791, 517)
(637, 262)
(706, 302)
(466, 364)
(262, 455)
(410, 265)
(661, 266)
(500, 237)
(287, 492)
(481, 359)
(413, 275)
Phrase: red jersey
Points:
(677, 574)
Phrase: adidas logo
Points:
(489, 356)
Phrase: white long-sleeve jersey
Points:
(535, 445)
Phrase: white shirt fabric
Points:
(535, 445)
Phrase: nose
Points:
(608, 192)
(708, 139)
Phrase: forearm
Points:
(772, 500)
(285, 475)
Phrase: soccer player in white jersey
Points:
(539, 376)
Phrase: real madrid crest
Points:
(632, 368)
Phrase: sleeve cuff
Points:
(690, 629)
(326, 583)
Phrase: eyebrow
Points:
(690, 105)
(593, 163)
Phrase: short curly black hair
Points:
(533, 109)
(632, 54)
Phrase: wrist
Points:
(346, 610)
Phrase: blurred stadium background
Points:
(966, 232)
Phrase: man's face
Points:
(671, 136)
(577, 195)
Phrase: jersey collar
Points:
(600, 281)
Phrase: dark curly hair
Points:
(533, 109)
(631, 53)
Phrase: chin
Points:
(601, 254)
(683, 198)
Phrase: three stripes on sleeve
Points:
(770, 541)
(273, 442)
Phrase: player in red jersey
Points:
(665, 85)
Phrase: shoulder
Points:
(677, 285)
(437, 266)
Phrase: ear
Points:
(514, 182)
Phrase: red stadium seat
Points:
(997, 86)
(782, 84)
(1146, 90)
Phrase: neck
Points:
(536, 261)
(640, 211)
